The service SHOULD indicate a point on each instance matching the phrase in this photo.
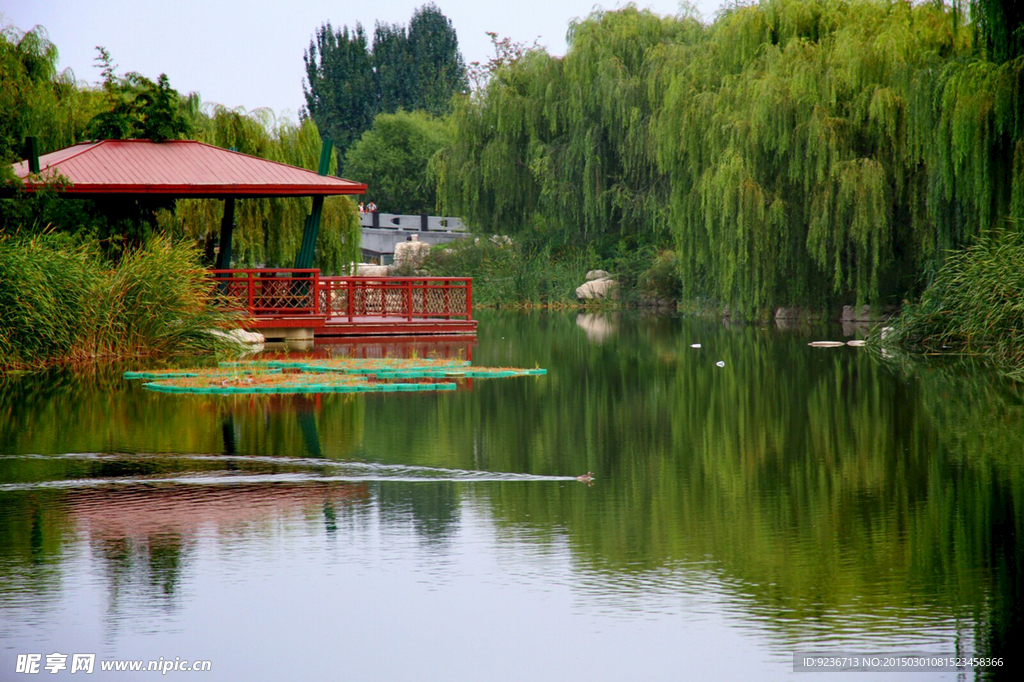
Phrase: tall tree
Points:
(439, 69)
(810, 152)
(347, 83)
(36, 99)
(393, 68)
(339, 89)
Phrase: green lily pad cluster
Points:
(343, 375)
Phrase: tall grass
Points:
(975, 304)
(63, 302)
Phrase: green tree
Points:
(439, 69)
(798, 152)
(392, 159)
(137, 107)
(339, 88)
(36, 99)
(348, 83)
(393, 68)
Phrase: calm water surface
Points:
(794, 500)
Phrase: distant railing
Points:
(407, 297)
(289, 292)
(280, 292)
(412, 223)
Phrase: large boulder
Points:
(597, 274)
(598, 289)
(409, 255)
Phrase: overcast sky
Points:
(249, 54)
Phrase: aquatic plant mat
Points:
(343, 375)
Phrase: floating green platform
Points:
(343, 375)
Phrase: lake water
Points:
(796, 499)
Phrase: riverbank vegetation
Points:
(974, 305)
(808, 153)
(792, 152)
(63, 301)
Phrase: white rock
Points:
(598, 289)
(240, 337)
(856, 342)
(370, 270)
(411, 253)
(597, 274)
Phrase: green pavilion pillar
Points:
(312, 229)
(227, 226)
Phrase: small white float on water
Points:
(694, 345)
(826, 344)
(720, 363)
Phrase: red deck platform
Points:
(348, 306)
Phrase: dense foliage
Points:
(511, 273)
(62, 301)
(975, 304)
(36, 99)
(136, 107)
(392, 157)
(349, 81)
(793, 152)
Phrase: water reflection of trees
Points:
(825, 486)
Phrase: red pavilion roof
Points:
(179, 168)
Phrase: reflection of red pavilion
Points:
(445, 347)
(141, 511)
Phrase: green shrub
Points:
(661, 280)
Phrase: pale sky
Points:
(249, 53)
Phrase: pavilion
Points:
(292, 303)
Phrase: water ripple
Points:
(319, 471)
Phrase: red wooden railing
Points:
(405, 297)
(289, 292)
(268, 292)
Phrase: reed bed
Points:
(62, 301)
(975, 304)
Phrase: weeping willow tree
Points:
(560, 146)
(268, 231)
(35, 98)
(803, 152)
